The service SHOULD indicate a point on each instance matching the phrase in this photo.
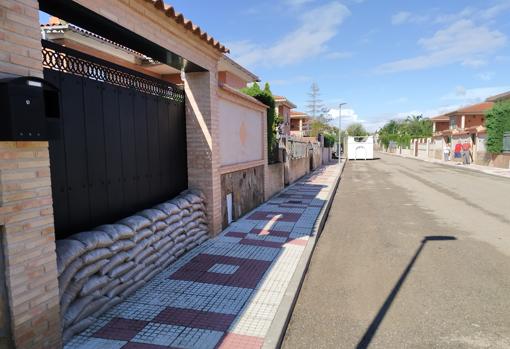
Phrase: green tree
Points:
(498, 122)
(402, 131)
(266, 96)
(356, 130)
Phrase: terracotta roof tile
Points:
(476, 108)
(188, 24)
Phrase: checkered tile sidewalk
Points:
(225, 293)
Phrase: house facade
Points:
(300, 124)
(284, 108)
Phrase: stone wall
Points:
(298, 168)
(100, 268)
(274, 179)
(247, 188)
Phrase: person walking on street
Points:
(446, 152)
(458, 150)
(466, 153)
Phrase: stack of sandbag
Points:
(100, 268)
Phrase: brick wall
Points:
(26, 215)
(26, 226)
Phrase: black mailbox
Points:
(29, 109)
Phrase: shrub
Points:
(498, 122)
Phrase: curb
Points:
(468, 169)
(276, 333)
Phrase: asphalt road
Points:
(413, 255)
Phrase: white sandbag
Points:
(199, 235)
(110, 304)
(95, 255)
(135, 251)
(74, 310)
(91, 308)
(197, 215)
(158, 226)
(150, 259)
(94, 283)
(192, 198)
(69, 295)
(168, 208)
(119, 288)
(122, 245)
(198, 207)
(142, 234)
(116, 260)
(89, 269)
(67, 251)
(153, 273)
(107, 288)
(68, 274)
(120, 270)
(145, 253)
(144, 272)
(202, 239)
(153, 239)
(191, 246)
(195, 192)
(135, 222)
(131, 289)
(129, 275)
(185, 221)
(180, 238)
(117, 231)
(180, 202)
(163, 242)
(168, 260)
(174, 218)
(153, 215)
(93, 239)
(79, 327)
(184, 213)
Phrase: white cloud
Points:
(485, 76)
(317, 27)
(461, 42)
(407, 17)
(464, 96)
(496, 10)
(297, 3)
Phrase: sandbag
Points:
(145, 253)
(118, 289)
(91, 308)
(79, 327)
(185, 221)
(116, 260)
(197, 215)
(94, 283)
(180, 202)
(191, 246)
(202, 239)
(199, 235)
(173, 219)
(90, 269)
(129, 275)
(68, 274)
(167, 247)
(117, 231)
(131, 289)
(137, 249)
(195, 192)
(108, 287)
(110, 304)
(150, 259)
(190, 226)
(121, 270)
(93, 239)
(198, 207)
(95, 255)
(192, 198)
(158, 245)
(169, 260)
(136, 223)
(142, 234)
(152, 214)
(122, 245)
(70, 294)
(153, 273)
(144, 272)
(158, 226)
(180, 238)
(74, 310)
(168, 208)
(67, 251)
(192, 232)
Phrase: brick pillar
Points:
(26, 216)
(202, 121)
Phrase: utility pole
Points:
(340, 131)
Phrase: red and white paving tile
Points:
(226, 292)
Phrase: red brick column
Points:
(26, 214)
(202, 123)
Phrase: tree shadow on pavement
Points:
(372, 329)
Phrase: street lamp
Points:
(340, 130)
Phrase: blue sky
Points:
(386, 59)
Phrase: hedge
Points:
(498, 122)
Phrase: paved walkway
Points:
(226, 292)
(496, 171)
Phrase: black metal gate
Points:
(122, 140)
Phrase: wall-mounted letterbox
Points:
(29, 109)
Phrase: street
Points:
(413, 255)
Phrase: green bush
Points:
(498, 122)
(329, 140)
(266, 96)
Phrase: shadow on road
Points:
(372, 329)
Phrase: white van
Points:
(360, 148)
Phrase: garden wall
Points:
(274, 179)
